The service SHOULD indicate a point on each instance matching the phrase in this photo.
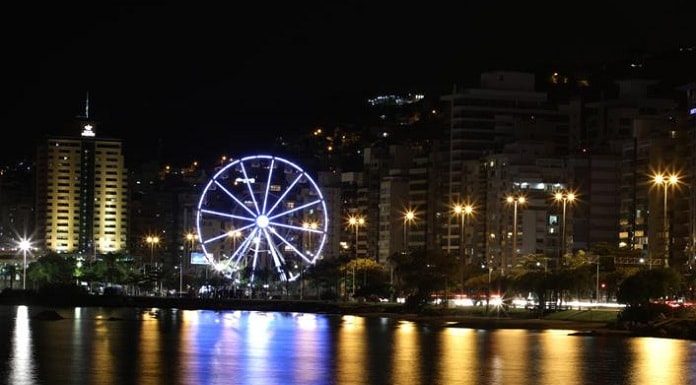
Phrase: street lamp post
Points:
(234, 234)
(515, 200)
(597, 288)
(564, 197)
(459, 210)
(465, 211)
(666, 181)
(409, 218)
(355, 222)
(24, 245)
(152, 241)
(189, 246)
(306, 225)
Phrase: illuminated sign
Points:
(692, 111)
(88, 130)
(198, 258)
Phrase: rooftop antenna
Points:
(87, 129)
(87, 106)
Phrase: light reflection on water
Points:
(149, 364)
(21, 363)
(459, 360)
(405, 363)
(658, 361)
(566, 353)
(206, 347)
(351, 353)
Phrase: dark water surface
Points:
(234, 347)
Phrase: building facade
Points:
(82, 194)
(504, 109)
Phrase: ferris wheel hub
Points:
(262, 221)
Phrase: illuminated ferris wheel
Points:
(262, 216)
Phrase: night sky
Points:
(206, 80)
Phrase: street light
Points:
(514, 200)
(189, 241)
(356, 222)
(465, 211)
(666, 181)
(313, 226)
(564, 197)
(24, 245)
(234, 234)
(409, 218)
(152, 241)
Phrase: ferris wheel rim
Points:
(267, 228)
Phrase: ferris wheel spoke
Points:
(268, 185)
(284, 194)
(227, 234)
(256, 255)
(275, 254)
(215, 238)
(295, 227)
(208, 257)
(251, 191)
(245, 247)
(235, 198)
(293, 248)
(244, 227)
(206, 211)
(281, 258)
(304, 206)
(242, 248)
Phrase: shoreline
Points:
(440, 317)
(433, 316)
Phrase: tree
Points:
(574, 275)
(52, 269)
(110, 269)
(374, 278)
(536, 282)
(420, 274)
(645, 285)
(613, 279)
(531, 262)
(325, 276)
(9, 271)
(365, 267)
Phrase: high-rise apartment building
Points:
(82, 194)
(505, 108)
(529, 170)
(691, 169)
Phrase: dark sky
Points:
(204, 79)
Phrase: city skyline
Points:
(348, 193)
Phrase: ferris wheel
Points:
(262, 217)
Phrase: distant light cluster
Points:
(395, 100)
